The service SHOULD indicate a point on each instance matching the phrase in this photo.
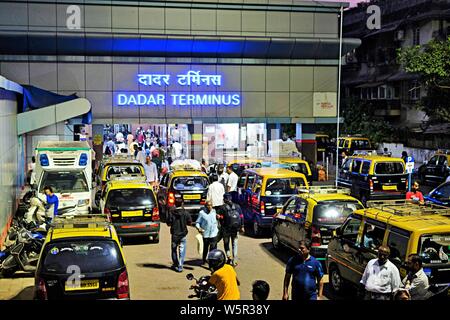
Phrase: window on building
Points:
(382, 92)
(416, 37)
(414, 90)
(363, 93)
(389, 92)
(374, 93)
(396, 91)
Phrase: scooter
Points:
(23, 248)
(203, 290)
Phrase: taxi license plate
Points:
(136, 213)
(192, 197)
(82, 285)
(390, 188)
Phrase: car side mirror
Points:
(189, 276)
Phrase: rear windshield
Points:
(389, 168)
(190, 183)
(123, 169)
(301, 168)
(65, 181)
(322, 142)
(89, 256)
(435, 248)
(334, 212)
(281, 186)
(130, 197)
(361, 144)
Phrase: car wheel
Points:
(276, 240)
(155, 239)
(336, 280)
(256, 229)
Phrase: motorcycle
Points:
(203, 290)
(22, 251)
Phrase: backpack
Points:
(232, 219)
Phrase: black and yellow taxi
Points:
(118, 165)
(351, 144)
(262, 193)
(132, 208)
(189, 184)
(437, 169)
(82, 258)
(295, 164)
(374, 177)
(404, 227)
(240, 164)
(313, 214)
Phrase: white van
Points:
(66, 166)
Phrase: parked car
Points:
(191, 185)
(87, 246)
(313, 215)
(262, 193)
(374, 177)
(437, 169)
(132, 208)
(440, 195)
(356, 242)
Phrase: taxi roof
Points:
(244, 160)
(377, 158)
(289, 159)
(353, 137)
(135, 184)
(328, 197)
(102, 232)
(276, 172)
(119, 161)
(184, 173)
(422, 224)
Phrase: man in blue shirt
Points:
(207, 225)
(307, 275)
(52, 199)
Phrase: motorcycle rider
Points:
(223, 276)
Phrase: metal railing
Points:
(81, 221)
(408, 208)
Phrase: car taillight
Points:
(108, 213)
(315, 237)
(41, 290)
(155, 215)
(171, 199)
(123, 288)
(263, 207)
(371, 184)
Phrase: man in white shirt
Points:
(223, 175)
(232, 183)
(177, 150)
(381, 277)
(140, 156)
(151, 171)
(416, 281)
(119, 137)
(216, 191)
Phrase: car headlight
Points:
(84, 202)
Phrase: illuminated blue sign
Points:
(191, 78)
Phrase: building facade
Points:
(372, 73)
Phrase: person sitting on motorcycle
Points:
(52, 200)
(223, 276)
(36, 212)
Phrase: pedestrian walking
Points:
(415, 195)
(215, 193)
(223, 175)
(110, 147)
(404, 156)
(206, 224)
(381, 278)
(260, 290)
(416, 281)
(306, 273)
(178, 219)
(232, 223)
(140, 156)
(151, 172)
(232, 183)
(31, 174)
(52, 201)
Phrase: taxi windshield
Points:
(281, 186)
(300, 168)
(89, 256)
(334, 212)
(389, 168)
(130, 197)
(65, 181)
(435, 248)
(123, 170)
(190, 183)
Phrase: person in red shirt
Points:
(415, 195)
